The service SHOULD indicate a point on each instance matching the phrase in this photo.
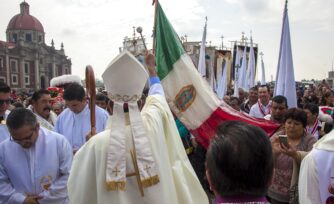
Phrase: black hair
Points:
(315, 100)
(280, 99)
(38, 94)
(20, 117)
(314, 109)
(74, 92)
(328, 127)
(18, 105)
(235, 98)
(101, 97)
(296, 114)
(239, 160)
(4, 88)
(254, 88)
(265, 86)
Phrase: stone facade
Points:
(26, 62)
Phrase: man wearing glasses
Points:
(4, 105)
(34, 162)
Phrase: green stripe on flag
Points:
(168, 45)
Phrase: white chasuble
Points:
(178, 182)
(316, 177)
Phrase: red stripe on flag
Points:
(207, 130)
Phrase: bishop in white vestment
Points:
(34, 166)
(154, 167)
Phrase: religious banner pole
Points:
(91, 93)
(155, 3)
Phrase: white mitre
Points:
(124, 80)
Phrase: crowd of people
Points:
(48, 153)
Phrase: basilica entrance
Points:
(42, 82)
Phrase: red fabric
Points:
(326, 109)
(207, 130)
(56, 94)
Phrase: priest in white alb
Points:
(74, 122)
(4, 134)
(41, 107)
(34, 163)
(4, 105)
(140, 159)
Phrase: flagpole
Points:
(154, 24)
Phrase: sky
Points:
(93, 30)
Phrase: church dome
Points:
(25, 21)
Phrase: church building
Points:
(26, 62)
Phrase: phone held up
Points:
(283, 139)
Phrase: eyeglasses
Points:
(28, 138)
(4, 101)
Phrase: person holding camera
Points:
(289, 146)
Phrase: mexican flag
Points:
(188, 94)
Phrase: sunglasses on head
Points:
(4, 101)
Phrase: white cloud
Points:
(93, 30)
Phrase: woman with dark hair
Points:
(235, 103)
(327, 99)
(239, 164)
(288, 154)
